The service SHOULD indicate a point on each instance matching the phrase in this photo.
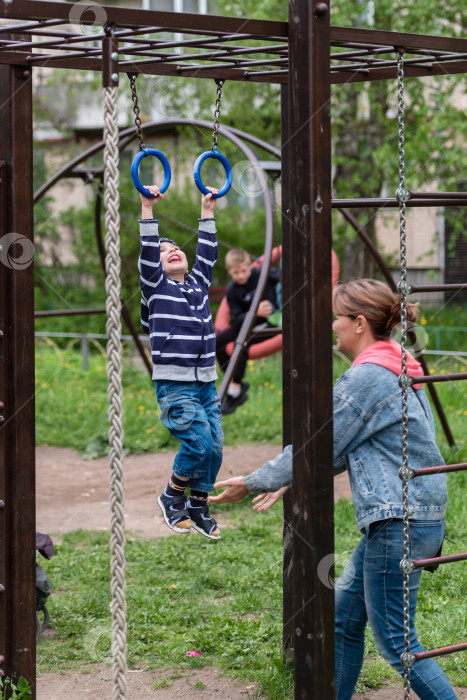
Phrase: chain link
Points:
(404, 383)
(134, 97)
(217, 113)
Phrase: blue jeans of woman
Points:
(191, 412)
(370, 589)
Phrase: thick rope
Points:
(114, 372)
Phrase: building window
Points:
(192, 6)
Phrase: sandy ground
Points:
(73, 494)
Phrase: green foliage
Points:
(12, 691)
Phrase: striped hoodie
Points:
(176, 315)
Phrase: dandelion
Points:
(67, 366)
(149, 431)
(432, 371)
(423, 321)
(141, 408)
(173, 585)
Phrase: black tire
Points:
(41, 625)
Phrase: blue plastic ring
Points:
(197, 173)
(135, 167)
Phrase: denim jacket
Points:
(368, 444)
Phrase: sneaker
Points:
(204, 523)
(231, 403)
(177, 520)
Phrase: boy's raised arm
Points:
(149, 265)
(206, 251)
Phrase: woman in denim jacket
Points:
(367, 443)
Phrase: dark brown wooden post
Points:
(287, 629)
(309, 273)
(17, 443)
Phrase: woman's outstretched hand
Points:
(265, 500)
(235, 490)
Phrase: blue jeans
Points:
(370, 589)
(192, 413)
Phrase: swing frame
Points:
(299, 58)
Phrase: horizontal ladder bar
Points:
(414, 288)
(442, 469)
(442, 651)
(437, 195)
(426, 379)
(449, 558)
(392, 202)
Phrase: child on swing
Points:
(176, 315)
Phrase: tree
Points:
(364, 127)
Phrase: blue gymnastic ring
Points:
(135, 167)
(197, 172)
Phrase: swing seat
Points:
(271, 345)
(267, 347)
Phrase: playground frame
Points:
(305, 56)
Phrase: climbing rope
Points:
(114, 372)
(405, 381)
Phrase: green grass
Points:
(186, 593)
(72, 405)
(222, 598)
(182, 594)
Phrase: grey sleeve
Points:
(273, 474)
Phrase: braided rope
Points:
(114, 372)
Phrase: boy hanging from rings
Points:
(175, 312)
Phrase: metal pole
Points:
(309, 270)
(17, 439)
(85, 351)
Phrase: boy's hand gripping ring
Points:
(135, 167)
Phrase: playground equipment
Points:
(302, 53)
(214, 153)
(144, 151)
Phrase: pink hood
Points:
(387, 353)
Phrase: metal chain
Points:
(114, 372)
(404, 381)
(134, 97)
(217, 113)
